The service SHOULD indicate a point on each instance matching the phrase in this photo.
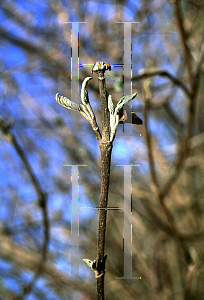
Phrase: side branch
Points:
(84, 109)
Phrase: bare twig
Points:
(110, 120)
(106, 150)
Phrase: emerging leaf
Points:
(111, 107)
(84, 92)
(64, 101)
(124, 100)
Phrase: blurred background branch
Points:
(35, 64)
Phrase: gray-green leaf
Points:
(111, 107)
(84, 92)
(64, 101)
(124, 100)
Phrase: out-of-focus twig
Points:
(183, 35)
(159, 194)
(184, 149)
(194, 84)
(6, 130)
(163, 73)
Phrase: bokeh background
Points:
(36, 140)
